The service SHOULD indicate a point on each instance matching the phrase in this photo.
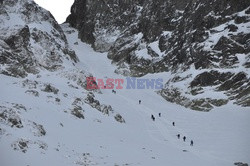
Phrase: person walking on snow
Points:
(173, 124)
(178, 136)
(184, 138)
(152, 117)
(191, 143)
(139, 101)
(159, 114)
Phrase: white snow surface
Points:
(221, 136)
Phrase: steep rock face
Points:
(100, 22)
(209, 33)
(127, 29)
(209, 51)
(195, 40)
(26, 47)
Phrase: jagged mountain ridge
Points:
(208, 37)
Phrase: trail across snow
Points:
(221, 137)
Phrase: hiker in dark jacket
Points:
(139, 101)
(173, 124)
(191, 143)
(159, 114)
(184, 138)
(152, 117)
(178, 136)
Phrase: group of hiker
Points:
(184, 139)
(173, 123)
(178, 135)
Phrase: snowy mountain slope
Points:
(204, 43)
(195, 125)
(49, 118)
(38, 74)
(220, 136)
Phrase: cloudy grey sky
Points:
(59, 8)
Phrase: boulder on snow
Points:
(50, 89)
(119, 118)
(10, 116)
(77, 112)
(240, 164)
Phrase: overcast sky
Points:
(60, 9)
